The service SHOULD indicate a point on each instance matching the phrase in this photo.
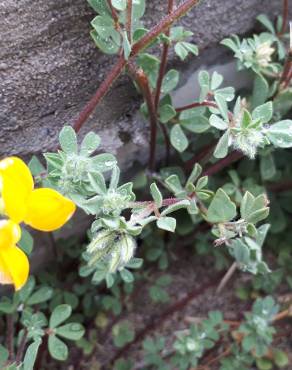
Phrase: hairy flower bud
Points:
(264, 54)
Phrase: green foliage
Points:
(180, 199)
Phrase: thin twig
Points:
(226, 277)
(223, 163)
(163, 63)
(205, 103)
(284, 17)
(117, 69)
(100, 93)
(129, 20)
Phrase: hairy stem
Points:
(163, 63)
(100, 93)
(284, 17)
(129, 20)
(162, 26)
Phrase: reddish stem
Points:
(129, 20)
(197, 105)
(162, 26)
(222, 163)
(163, 63)
(285, 17)
(100, 93)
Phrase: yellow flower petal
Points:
(14, 267)
(17, 184)
(10, 233)
(48, 210)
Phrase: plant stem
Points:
(21, 348)
(100, 93)
(226, 277)
(222, 163)
(163, 63)
(129, 20)
(284, 17)
(142, 80)
(205, 103)
(10, 336)
(114, 14)
(117, 69)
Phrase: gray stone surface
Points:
(49, 68)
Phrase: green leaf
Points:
(127, 48)
(222, 106)
(166, 113)
(72, 331)
(31, 355)
(135, 263)
(170, 81)
(59, 315)
(174, 207)
(35, 166)
(41, 295)
(97, 182)
(166, 223)
(196, 124)
(196, 172)
(174, 184)
(68, 140)
(221, 209)
(57, 348)
(178, 138)
(100, 6)
(267, 166)
(4, 354)
(280, 134)
(280, 357)
(183, 48)
(26, 241)
(218, 122)
(119, 4)
(263, 112)
(266, 22)
(253, 209)
(221, 149)
(260, 91)
(216, 80)
(89, 144)
(156, 195)
(105, 36)
(240, 252)
(127, 276)
(103, 162)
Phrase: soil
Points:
(192, 294)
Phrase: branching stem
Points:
(162, 26)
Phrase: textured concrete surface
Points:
(49, 68)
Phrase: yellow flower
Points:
(43, 209)
(14, 265)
